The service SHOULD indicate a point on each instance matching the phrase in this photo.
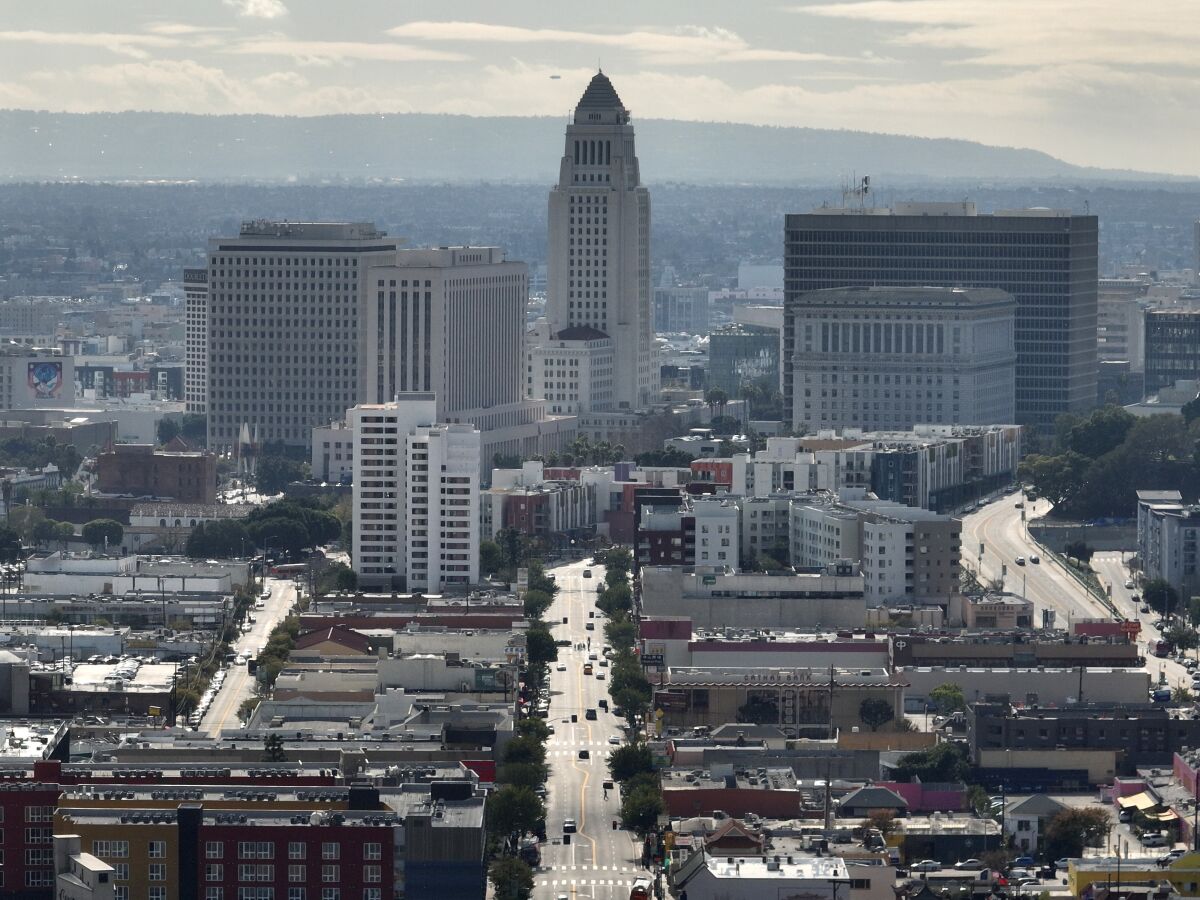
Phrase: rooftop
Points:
(600, 94)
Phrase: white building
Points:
(31, 378)
(718, 531)
(1168, 533)
(416, 497)
(333, 453)
(885, 357)
(598, 264)
(705, 877)
(573, 371)
(285, 346)
(195, 369)
(765, 528)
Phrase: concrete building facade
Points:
(1047, 260)
(598, 264)
(1172, 347)
(195, 377)
(416, 497)
(877, 357)
(285, 342)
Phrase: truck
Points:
(1159, 647)
(640, 890)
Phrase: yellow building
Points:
(1183, 873)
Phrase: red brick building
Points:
(141, 470)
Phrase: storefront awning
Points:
(1140, 802)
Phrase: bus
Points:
(640, 890)
(289, 570)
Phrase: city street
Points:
(599, 862)
(999, 528)
(239, 684)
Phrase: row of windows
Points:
(330, 850)
(297, 892)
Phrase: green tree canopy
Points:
(103, 533)
(875, 711)
(641, 807)
(629, 761)
(1162, 597)
(1101, 432)
(514, 810)
(512, 877)
(540, 647)
(945, 762)
(948, 698)
(536, 604)
(1073, 829)
(222, 539)
(491, 557)
(1182, 637)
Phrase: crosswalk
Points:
(603, 876)
(585, 882)
(574, 752)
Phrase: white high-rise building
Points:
(598, 266)
(416, 497)
(195, 377)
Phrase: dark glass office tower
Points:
(1047, 259)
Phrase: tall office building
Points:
(451, 321)
(1047, 259)
(598, 268)
(416, 497)
(1172, 350)
(195, 382)
(892, 358)
(284, 336)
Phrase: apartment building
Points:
(1168, 534)
(717, 531)
(416, 497)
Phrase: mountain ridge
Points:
(43, 145)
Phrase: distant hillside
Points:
(136, 145)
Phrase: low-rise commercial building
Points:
(705, 877)
(141, 470)
(712, 597)
(1041, 686)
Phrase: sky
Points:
(1085, 80)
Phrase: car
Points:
(1020, 560)
(1190, 664)
(1035, 559)
(1154, 839)
(926, 865)
(590, 626)
(1062, 863)
(1170, 857)
(585, 754)
(549, 729)
(1016, 876)
(587, 573)
(599, 676)
(561, 667)
(1024, 862)
(1128, 584)
(569, 826)
(1019, 505)
(604, 663)
(1145, 607)
(592, 657)
(969, 864)
(613, 739)
(590, 715)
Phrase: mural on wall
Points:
(45, 380)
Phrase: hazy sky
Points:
(1098, 82)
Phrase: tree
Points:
(948, 698)
(641, 807)
(512, 877)
(884, 820)
(1182, 637)
(1194, 610)
(630, 760)
(491, 557)
(223, 539)
(1191, 410)
(525, 749)
(716, 398)
(759, 710)
(514, 810)
(1079, 550)
(273, 749)
(1070, 830)
(1161, 596)
(283, 535)
(246, 710)
(1101, 432)
(103, 533)
(620, 633)
(1181, 695)
(540, 647)
(875, 711)
(534, 728)
(527, 774)
(1057, 478)
(194, 429)
(273, 473)
(168, 430)
(536, 604)
(945, 762)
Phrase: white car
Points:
(613, 739)
(561, 667)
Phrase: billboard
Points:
(45, 379)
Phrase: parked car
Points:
(1035, 559)
(1020, 560)
(1154, 839)
(1129, 584)
(926, 865)
(587, 573)
(1024, 862)
(969, 864)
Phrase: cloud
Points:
(1034, 33)
(327, 52)
(688, 45)
(183, 28)
(258, 9)
(135, 45)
